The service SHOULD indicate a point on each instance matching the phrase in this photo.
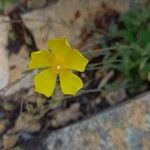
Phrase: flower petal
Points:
(76, 61)
(70, 83)
(45, 82)
(59, 48)
(40, 59)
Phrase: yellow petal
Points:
(59, 48)
(45, 82)
(76, 61)
(41, 59)
(70, 83)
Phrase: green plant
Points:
(131, 55)
(4, 2)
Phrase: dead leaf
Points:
(9, 141)
(116, 96)
(64, 116)
(26, 122)
(3, 124)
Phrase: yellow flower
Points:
(59, 60)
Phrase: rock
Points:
(139, 4)
(13, 73)
(62, 21)
(148, 120)
(137, 139)
(18, 64)
(117, 96)
(4, 61)
(34, 4)
(24, 82)
(123, 127)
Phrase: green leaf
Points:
(4, 2)
(29, 107)
(128, 36)
(147, 50)
(144, 37)
(113, 29)
(115, 86)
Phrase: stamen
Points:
(58, 67)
